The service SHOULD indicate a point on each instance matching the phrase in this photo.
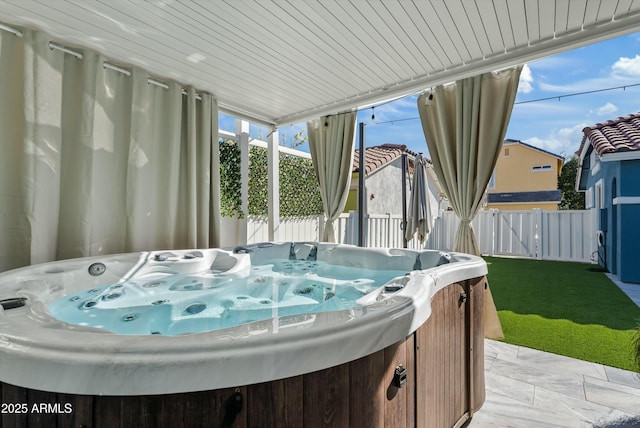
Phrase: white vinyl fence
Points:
(291, 229)
(382, 230)
(544, 235)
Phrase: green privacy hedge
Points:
(299, 191)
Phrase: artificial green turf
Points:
(565, 308)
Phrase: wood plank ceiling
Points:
(284, 61)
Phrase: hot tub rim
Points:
(411, 315)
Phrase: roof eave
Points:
(620, 156)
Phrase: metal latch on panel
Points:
(463, 298)
(399, 376)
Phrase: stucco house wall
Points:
(612, 189)
(523, 168)
(384, 189)
(611, 183)
(383, 186)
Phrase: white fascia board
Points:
(620, 156)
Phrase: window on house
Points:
(599, 197)
(538, 168)
(588, 199)
(506, 152)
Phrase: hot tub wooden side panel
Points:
(479, 285)
(444, 362)
(450, 355)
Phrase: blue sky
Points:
(554, 125)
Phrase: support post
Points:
(273, 171)
(495, 224)
(242, 133)
(362, 196)
(404, 200)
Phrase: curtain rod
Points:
(12, 30)
(198, 97)
(54, 45)
(150, 80)
(163, 85)
(116, 68)
(105, 64)
(158, 83)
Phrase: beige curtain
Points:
(97, 162)
(331, 141)
(465, 125)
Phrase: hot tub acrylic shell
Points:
(42, 353)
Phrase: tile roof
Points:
(377, 156)
(617, 135)
(536, 196)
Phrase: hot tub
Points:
(260, 333)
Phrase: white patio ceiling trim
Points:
(284, 61)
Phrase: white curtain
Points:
(465, 124)
(331, 142)
(95, 162)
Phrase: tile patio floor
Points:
(530, 388)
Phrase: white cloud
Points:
(627, 67)
(563, 141)
(623, 71)
(526, 80)
(606, 110)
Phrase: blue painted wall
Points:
(629, 177)
(606, 170)
(622, 245)
(629, 224)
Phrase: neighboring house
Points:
(525, 177)
(609, 174)
(383, 181)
